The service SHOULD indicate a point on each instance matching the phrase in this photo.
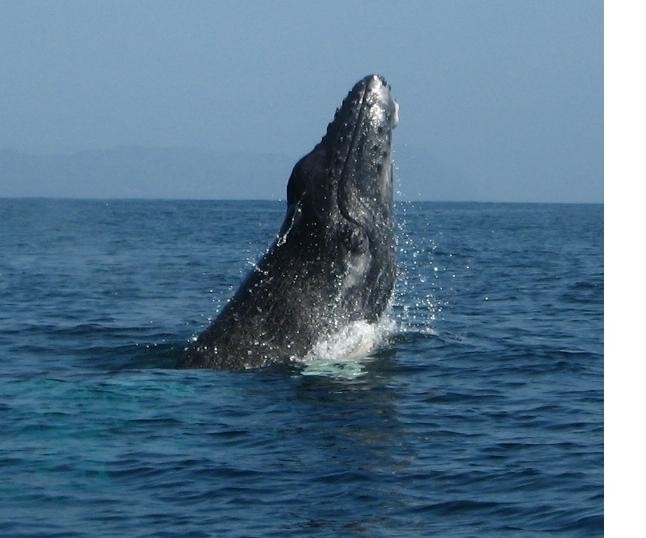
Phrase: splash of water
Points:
(356, 340)
(415, 307)
(343, 354)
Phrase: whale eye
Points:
(353, 239)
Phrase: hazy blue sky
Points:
(507, 93)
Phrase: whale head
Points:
(345, 184)
(340, 200)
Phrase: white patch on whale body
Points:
(355, 272)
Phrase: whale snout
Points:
(377, 94)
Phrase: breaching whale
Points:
(333, 261)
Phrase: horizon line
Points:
(278, 200)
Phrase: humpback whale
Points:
(333, 261)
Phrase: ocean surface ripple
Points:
(482, 416)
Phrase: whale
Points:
(333, 260)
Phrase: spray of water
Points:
(414, 307)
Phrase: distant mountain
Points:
(197, 173)
(145, 173)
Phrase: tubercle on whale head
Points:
(347, 177)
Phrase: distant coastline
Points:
(178, 173)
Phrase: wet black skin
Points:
(333, 261)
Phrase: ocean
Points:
(481, 415)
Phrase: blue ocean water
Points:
(482, 416)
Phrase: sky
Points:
(508, 94)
